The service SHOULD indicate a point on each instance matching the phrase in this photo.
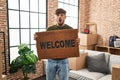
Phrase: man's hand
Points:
(35, 36)
(78, 40)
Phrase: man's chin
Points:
(60, 24)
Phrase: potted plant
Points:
(26, 61)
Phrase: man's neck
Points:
(60, 25)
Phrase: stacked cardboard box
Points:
(78, 63)
(116, 72)
(87, 41)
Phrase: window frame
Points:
(29, 28)
(64, 3)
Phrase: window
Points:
(71, 6)
(25, 17)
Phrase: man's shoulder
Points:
(67, 26)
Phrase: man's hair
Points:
(59, 11)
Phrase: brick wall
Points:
(2, 35)
(83, 13)
(106, 13)
(3, 28)
(52, 6)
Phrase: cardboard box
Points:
(88, 39)
(88, 47)
(57, 44)
(0, 65)
(116, 72)
(78, 62)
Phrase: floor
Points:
(44, 78)
(40, 78)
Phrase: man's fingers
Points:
(78, 40)
(35, 36)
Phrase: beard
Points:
(60, 24)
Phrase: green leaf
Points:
(21, 46)
(25, 61)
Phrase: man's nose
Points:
(59, 15)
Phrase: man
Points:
(58, 66)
